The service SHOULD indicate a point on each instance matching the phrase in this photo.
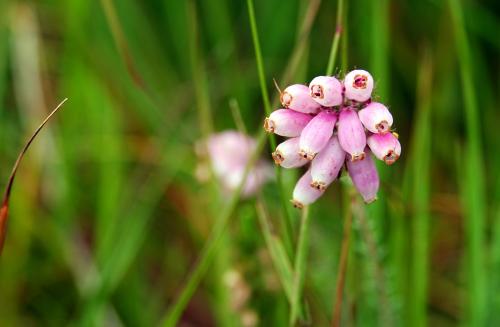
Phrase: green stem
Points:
(300, 265)
(420, 194)
(198, 73)
(473, 190)
(336, 39)
(172, 316)
(339, 288)
(287, 220)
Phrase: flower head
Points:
(344, 127)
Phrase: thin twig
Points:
(5, 202)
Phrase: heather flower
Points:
(287, 154)
(358, 85)
(286, 122)
(352, 135)
(317, 133)
(304, 193)
(376, 118)
(326, 166)
(228, 154)
(364, 176)
(298, 98)
(327, 91)
(346, 128)
(385, 147)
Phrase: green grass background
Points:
(108, 217)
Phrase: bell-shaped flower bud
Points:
(364, 176)
(327, 164)
(376, 118)
(287, 154)
(297, 97)
(304, 194)
(286, 122)
(316, 134)
(327, 91)
(351, 134)
(385, 147)
(358, 85)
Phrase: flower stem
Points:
(287, 220)
(344, 254)
(336, 38)
(300, 265)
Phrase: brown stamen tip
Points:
(278, 157)
(317, 91)
(391, 157)
(320, 186)
(297, 204)
(396, 135)
(269, 125)
(369, 201)
(357, 156)
(307, 155)
(286, 99)
(360, 82)
(382, 127)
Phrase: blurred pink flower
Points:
(228, 153)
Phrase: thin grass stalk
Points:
(344, 254)
(336, 39)
(198, 73)
(385, 315)
(121, 42)
(473, 190)
(172, 316)
(300, 265)
(420, 193)
(287, 221)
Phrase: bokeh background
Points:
(108, 215)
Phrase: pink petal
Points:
(287, 154)
(376, 118)
(304, 194)
(326, 165)
(316, 134)
(351, 134)
(298, 98)
(287, 123)
(364, 177)
(385, 147)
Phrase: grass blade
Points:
(420, 163)
(473, 190)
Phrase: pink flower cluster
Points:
(330, 123)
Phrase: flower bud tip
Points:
(297, 204)
(269, 125)
(320, 186)
(307, 154)
(358, 156)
